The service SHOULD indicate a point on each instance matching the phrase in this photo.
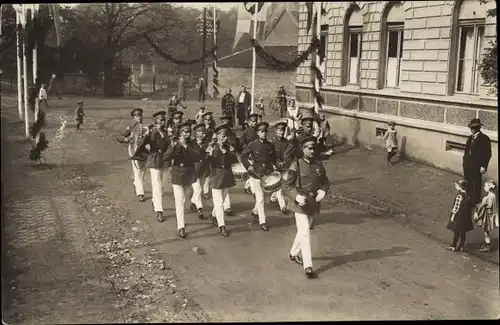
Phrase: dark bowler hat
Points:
(199, 126)
(262, 125)
(135, 110)
(206, 114)
(307, 140)
(159, 114)
(225, 118)
(222, 129)
(202, 107)
(185, 126)
(178, 113)
(307, 119)
(281, 125)
(475, 122)
(253, 115)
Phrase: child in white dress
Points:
(391, 142)
(486, 214)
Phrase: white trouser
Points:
(259, 199)
(157, 188)
(205, 184)
(218, 196)
(248, 185)
(302, 242)
(180, 201)
(139, 169)
(278, 195)
(226, 203)
(196, 198)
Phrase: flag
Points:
(244, 24)
(250, 6)
(274, 14)
(56, 15)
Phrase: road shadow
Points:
(358, 256)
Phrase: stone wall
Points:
(267, 81)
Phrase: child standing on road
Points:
(199, 115)
(486, 214)
(42, 96)
(260, 107)
(460, 220)
(79, 114)
(391, 142)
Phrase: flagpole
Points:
(214, 64)
(254, 58)
(19, 73)
(25, 73)
(34, 11)
(318, 61)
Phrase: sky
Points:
(226, 6)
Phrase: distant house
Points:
(235, 70)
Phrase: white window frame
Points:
(478, 53)
(359, 31)
(324, 36)
(400, 28)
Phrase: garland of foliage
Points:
(489, 68)
(177, 61)
(317, 76)
(280, 65)
(216, 60)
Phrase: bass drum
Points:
(136, 149)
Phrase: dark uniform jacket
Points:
(183, 163)
(202, 166)
(221, 174)
(159, 145)
(210, 129)
(312, 178)
(284, 153)
(477, 153)
(263, 155)
(137, 137)
(249, 135)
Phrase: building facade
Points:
(413, 62)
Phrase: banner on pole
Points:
(245, 20)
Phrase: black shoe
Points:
(286, 211)
(264, 227)
(159, 216)
(248, 191)
(206, 196)
(486, 248)
(141, 198)
(309, 272)
(213, 220)
(200, 214)
(297, 259)
(451, 248)
(223, 231)
(182, 233)
(229, 212)
(193, 207)
(254, 221)
(272, 201)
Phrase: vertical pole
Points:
(317, 63)
(204, 45)
(254, 58)
(35, 65)
(214, 64)
(25, 73)
(19, 73)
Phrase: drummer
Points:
(305, 199)
(231, 135)
(284, 155)
(221, 157)
(156, 143)
(249, 135)
(201, 143)
(183, 157)
(135, 136)
(264, 160)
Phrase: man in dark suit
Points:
(476, 158)
(244, 101)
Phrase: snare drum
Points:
(272, 182)
(239, 172)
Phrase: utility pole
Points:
(204, 45)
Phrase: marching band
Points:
(214, 159)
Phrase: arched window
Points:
(468, 35)
(353, 27)
(392, 37)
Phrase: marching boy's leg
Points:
(180, 200)
(138, 180)
(196, 202)
(157, 191)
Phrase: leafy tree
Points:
(488, 66)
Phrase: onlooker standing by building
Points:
(201, 88)
(53, 87)
(476, 158)
(228, 105)
(79, 114)
(391, 142)
(42, 96)
(282, 101)
(460, 220)
(181, 88)
(486, 215)
(244, 102)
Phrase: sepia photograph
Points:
(249, 162)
